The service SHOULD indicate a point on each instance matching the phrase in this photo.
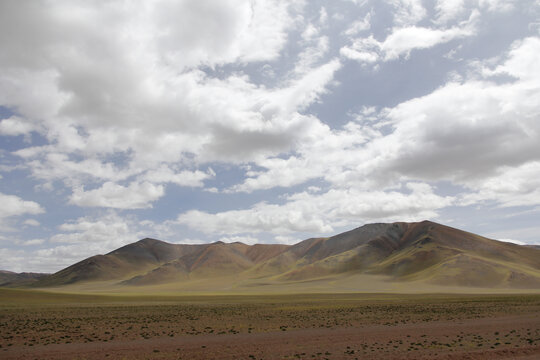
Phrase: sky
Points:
(262, 121)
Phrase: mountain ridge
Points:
(420, 252)
(10, 278)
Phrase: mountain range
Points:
(411, 254)
(8, 278)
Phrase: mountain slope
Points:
(423, 252)
(211, 260)
(443, 255)
(126, 261)
(9, 278)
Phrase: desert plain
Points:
(43, 325)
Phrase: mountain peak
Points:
(149, 241)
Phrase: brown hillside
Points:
(210, 260)
(423, 252)
(11, 279)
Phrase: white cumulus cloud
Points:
(13, 205)
(403, 40)
(321, 213)
(110, 195)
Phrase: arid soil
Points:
(310, 327)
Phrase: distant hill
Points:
(9, 278)
(416, 253)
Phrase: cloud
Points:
(255, 29)
(407, 12)
(31, 222)
(312, 54)
(128, 100)
(15, 206)
(110, 195)
(451, 137)
(236, 122)
(480, 133)
(120, 91)
(321, 213)
(528, 235)
(403, 40)
(165, 174)
(448, 10)
(327, 154)
(359, 26)
(52, 166)
(34, 242)
(358, 2)
(497, 5)
(14, 260)
(249, 240)
(323, 16)
(442, 136)
(265, 122)
(364, 50)
(518, 242)
(488, 145)
(509, 186)
(90, 230)
(14, 126)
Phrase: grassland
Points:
(42, 325)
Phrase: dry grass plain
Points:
(39, 325)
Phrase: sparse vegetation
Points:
(397, 323)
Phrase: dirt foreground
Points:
(351, 327)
